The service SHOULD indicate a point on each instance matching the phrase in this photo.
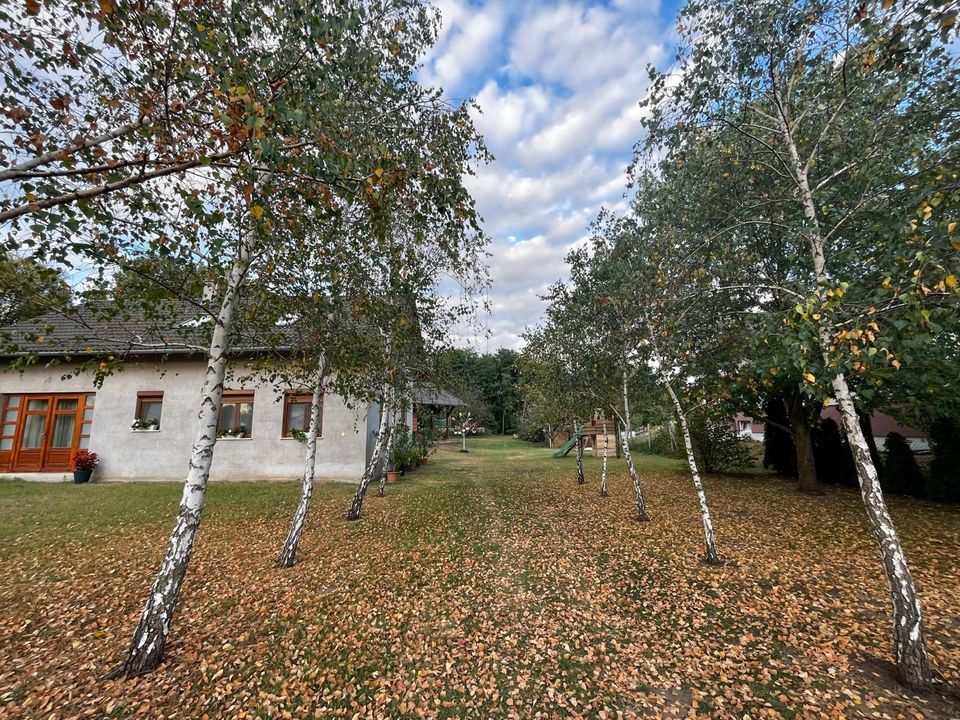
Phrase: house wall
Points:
(164, 455)
(881, 423)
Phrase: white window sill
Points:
(144, 430)
(225, 437)
(287, 437)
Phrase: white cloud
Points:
(466, 43)
(559, 86)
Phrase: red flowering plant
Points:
(85, 460)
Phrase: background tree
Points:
(29, 288)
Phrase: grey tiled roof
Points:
(173, 327)
(429, 395)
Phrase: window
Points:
(8, 421)
(296, 413)
(87, 423)
(236, 417)
(149, 409)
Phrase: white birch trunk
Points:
(909, 640)
(289, 551)
(627, 430)
(353, 513)
(711, 555)
(146, 647)
(642, 513)
(381, 471)
(581, 477)
(603, 471)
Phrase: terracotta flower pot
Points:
(393, 476)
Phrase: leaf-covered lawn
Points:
(485, 585)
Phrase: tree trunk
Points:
(603, 471)
(146, 647)
(803, 442)
(642, 514)
(380, 472)
(625, 436)
(866, 427)
(711, 555)
(581, 478)
(353, 513)
(289, 551)
(909, 641)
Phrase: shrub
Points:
(665, 440)
(424, 441)
(399, 456)
(832, 456)
(779, 451)
(901, 475)
(716, 446)
(944, 482)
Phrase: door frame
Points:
(81, 429)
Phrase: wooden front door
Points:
(41, 433)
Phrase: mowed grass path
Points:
(484, 585)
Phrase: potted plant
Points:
(83, 464)
(414, 457)
(396, 461)
(425, 445)
(139, 424)
(232, 433)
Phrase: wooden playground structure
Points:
(592, 434)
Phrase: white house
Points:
(141, 421)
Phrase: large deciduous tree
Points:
(828, 124)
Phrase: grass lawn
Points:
(485, 585)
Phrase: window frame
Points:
(299, 397)
(236, 397)
(149, 396)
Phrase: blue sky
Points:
(558, 84)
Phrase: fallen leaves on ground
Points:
(484, 585)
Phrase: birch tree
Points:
(354, 63)
(292, 542)
(149, 638)
(844, 125)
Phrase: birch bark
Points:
(289, 551)
(381, 472)
(603, 471)
(625, 438)
(146, 648)
(909, 640)
(353, 513)
(581, 478)
(711, 556)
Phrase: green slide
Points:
(568, 445)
